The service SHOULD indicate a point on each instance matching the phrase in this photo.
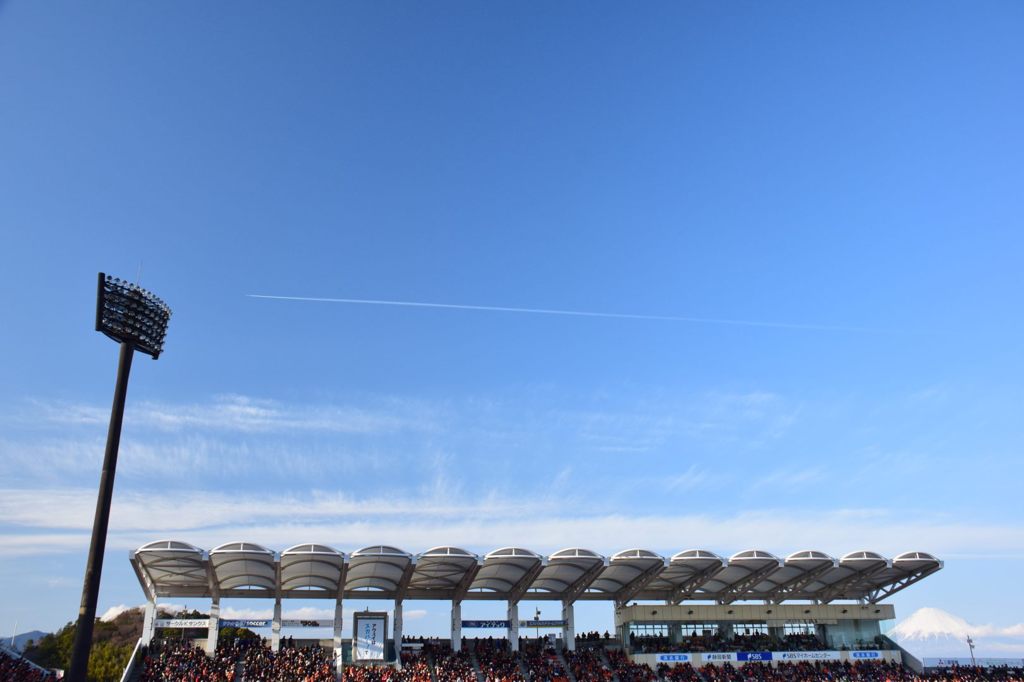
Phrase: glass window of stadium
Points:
(699, 629)
(798, 629)
(750, 629)
(648, 629)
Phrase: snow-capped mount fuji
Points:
(931, 624)
(934, 633)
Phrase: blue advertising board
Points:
(485, 624)
(754, 656)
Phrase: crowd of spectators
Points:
(415, 668)
(368, 673)
(454, 666)
(497, 663)
(289, 664)
(628, 671)
(592, 637)
(175, 661)
(587, 665)
(180, 661)
(756, 641)
(833, 671)
(802, 642)
(542, 662)
(16, 668)
(652, 644)
(683, 672)
(1001, 673)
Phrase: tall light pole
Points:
(137, 320)
(970, 643)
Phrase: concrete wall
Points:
(772, 614)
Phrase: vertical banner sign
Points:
(370, 633)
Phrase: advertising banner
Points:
(719, 657)
(182, 622)
(754, 656)
(485, 624)
(541, 623)
(673, 658)
(865, 655)
(307, 623)
(807, 655)
(370, 630)
(252, 623)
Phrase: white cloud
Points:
(249, 415)
(169, 607)
(482, 527)
(165, 511)
(689, 479)
(787, 479)
(179, 457)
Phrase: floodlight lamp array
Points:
(129, 314)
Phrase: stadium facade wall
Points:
(773, 614)
(738, 658)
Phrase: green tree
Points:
(107, 661)
(112, 645)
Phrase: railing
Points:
(132, 662)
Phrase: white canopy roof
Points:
(169, 568)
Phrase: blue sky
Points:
(853, 167)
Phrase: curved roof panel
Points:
(627, 572)
(244, 566)
(505, 569)
(312, 567)
(378, 568)
(170, 568)
(567, 570)
(441, 570)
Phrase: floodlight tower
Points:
(137, 320)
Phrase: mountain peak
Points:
(931, 623)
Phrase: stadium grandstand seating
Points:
(13, 667)
(491, 661)
(176, 661)
(496, 662)
(542, 662)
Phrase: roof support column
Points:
(513, 626)
(214, 628)
(397, 632)
(339, 662)
(456, 627)
(275, 628)
(149, 622)
(568, 626)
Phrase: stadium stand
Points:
(496, 662)
(628, 671)
(587, 664)
(290, 664)
(542, 663)
(180, 662)
(177, 661)
(14, 667)
(691, 617)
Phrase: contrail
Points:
(575, 313)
